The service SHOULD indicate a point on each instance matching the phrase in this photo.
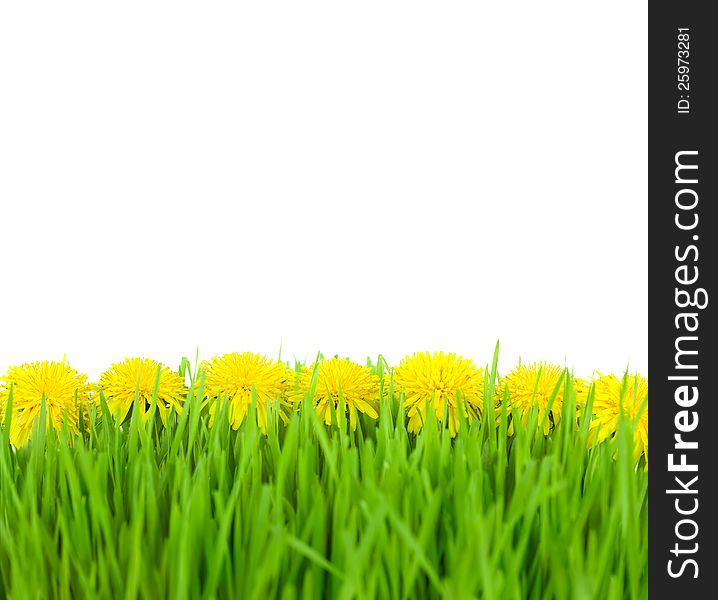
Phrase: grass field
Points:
(192, 510)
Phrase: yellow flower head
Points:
(437, 379)
(135, 378)
(358, 386)
(609, 396)
(234, 376)
(532, 386)
(64, 389)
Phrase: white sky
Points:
(381, 178)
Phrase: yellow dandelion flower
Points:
(609, 397)
(64, 389)
(437, 379)
(358, 386)
(532, 386)
(135, 379)
(233, 377)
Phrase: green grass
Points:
(309, 511)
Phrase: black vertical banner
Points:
(683, 170)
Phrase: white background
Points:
(355, 178)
